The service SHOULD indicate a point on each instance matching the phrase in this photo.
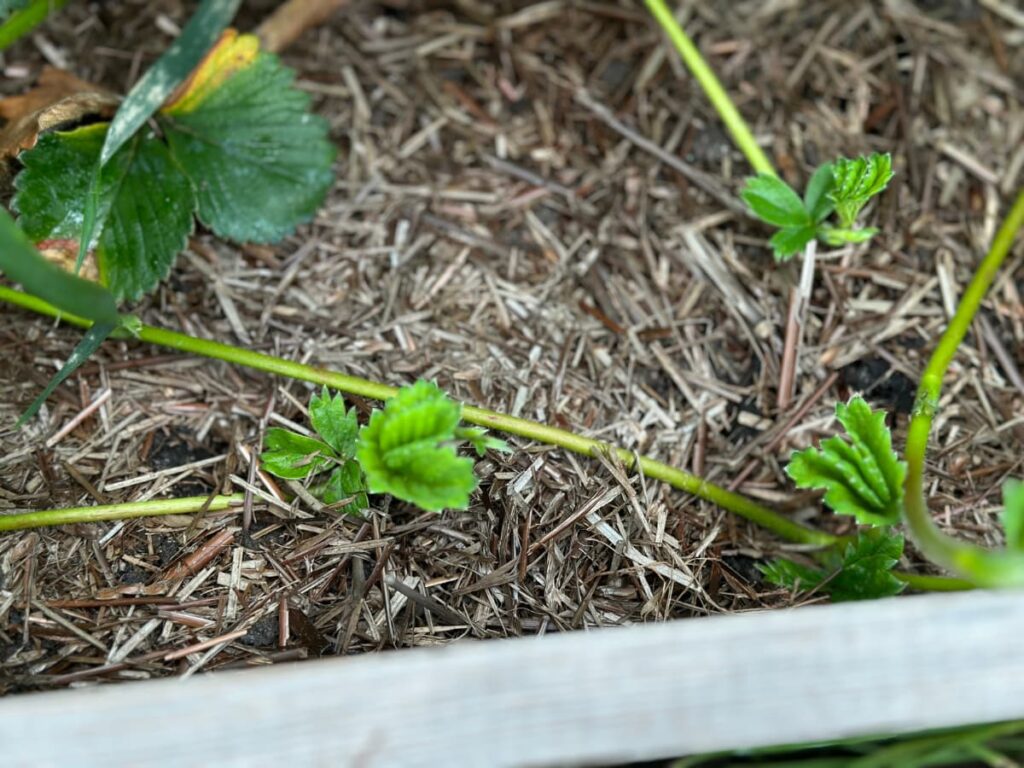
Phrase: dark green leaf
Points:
(260, 163)
(203, 29)
(816, 196)
(481, 440)
(405, 450)
(1013, 514)
(292, 456)
(862, 475)
(339, 428)
(866, 569)
(863, 570)
(89, 344)
(20, 261)
(345, 482)
(146, 204)
(774, 201)
(789, 241)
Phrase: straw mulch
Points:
(536, 207)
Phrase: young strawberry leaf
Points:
(344, 482)
(863, 571)
(406, 450)
(260, 163)
(789, 241)
(816, 196)
(772, 200)
(856, 182)
(862, 475)
(836, 236)
(146, 204)
(1013, 514)
(292, 456)
(481, 440)
(338, 427)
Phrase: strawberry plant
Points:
(407, 450)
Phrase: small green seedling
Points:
(408, 450)
(863, 477)
(842, 187)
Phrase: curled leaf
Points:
(861, 474)
(406, 450)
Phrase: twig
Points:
(799, 298)
(291, 19)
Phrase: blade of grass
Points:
(150, 92)
(23, 21)
(89, 344)
(21, 262)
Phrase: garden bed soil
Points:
(499, 225)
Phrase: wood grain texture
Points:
(643, 692)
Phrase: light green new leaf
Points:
(261, 164)
(146, 204)
(21, 262)
(1013, 514)
(816, 196)
(338, 428)
(863, 571)
(856, 181)
(406, 450)
(861, 474)
(482, 440)
(789, 241)
(774, 201)
(344, 482)
(293, 456)
(836, 236)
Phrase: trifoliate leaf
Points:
(789, 241)
(856, 181)
(338, 428)
(344, 482)
(1013, 514)
(293, 456)
(260, 163)
(862, 572)
(405, 450)
(816, 196)
(236, 145)
(147, 205)
(862, 475)
(774, 201)
(482, 440)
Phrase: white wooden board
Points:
(589, 697)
